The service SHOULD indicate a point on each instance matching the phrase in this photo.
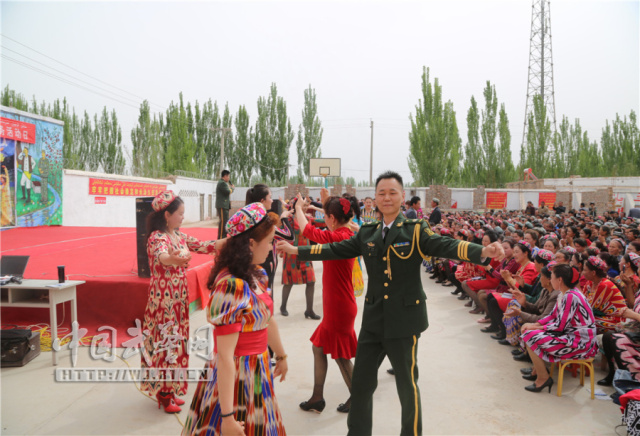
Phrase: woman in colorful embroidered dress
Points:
(166, 316)
(235, 394)
(335, 335)
(295, 272)
(605, 298)
(569, 332)
(624, 347)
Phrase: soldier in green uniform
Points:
(223, 203)
(395, 304)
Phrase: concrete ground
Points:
(468, 382)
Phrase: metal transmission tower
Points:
(540, 65)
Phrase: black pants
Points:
(402, 353)
(223, 214)
(495, 313)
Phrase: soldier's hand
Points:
(285, 247)
(494, 251)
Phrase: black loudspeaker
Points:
(276, 207)
(143, 209)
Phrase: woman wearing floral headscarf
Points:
(166, 316)
(235, 394)
(605, 298)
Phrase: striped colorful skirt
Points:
(254, 400)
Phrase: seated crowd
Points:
(567, 288)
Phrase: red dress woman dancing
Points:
(335, 335)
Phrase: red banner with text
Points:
(17, 130)
(548, 197)
(496, 200)
(126, 189)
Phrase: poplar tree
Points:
(506, 171)
(488, 130)
(309, 133)
(244, 147)
(620, 146)
(473, 170)
(535, 153)
(434, 139)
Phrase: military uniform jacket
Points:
(395, 303)
(223, 191)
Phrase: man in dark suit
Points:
(436, 216)
(395, 306)
(223, 203)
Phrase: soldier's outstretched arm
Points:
(432, 244)
(347, 249)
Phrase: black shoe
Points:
(504, 342)
(391, 371)
(440, 281)
(311, 315)
(530, 377)
(284, 312)
(526, 371)
(524, 357)
(456, 291)
(317, 407)
(516, 351)
(607, 381)
(490, 329)
(433, 276)
(500, 336)
(447, 285)
(463, 296)
(344, 407)
(534, 388)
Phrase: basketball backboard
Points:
(324, 167)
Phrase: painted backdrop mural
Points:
(32, 148)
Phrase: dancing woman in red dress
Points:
(335, 335)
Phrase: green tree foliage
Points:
(146, 138)
(243, 153)
(535, 153)
(489, 133)
(506, 171)
(473, 171)
(179, 144)
(273, 138)
(434, 139)
(109, 138)
(309, 133)
(620, 144)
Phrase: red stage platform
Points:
(105, 258)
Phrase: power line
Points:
(46, 73)
(78, 71)
(66, 74)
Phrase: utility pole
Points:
(371, 158)
(224, 130)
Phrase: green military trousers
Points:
(402, 353)
(223, 214)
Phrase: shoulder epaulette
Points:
(370, 223)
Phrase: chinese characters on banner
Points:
(126, 189)
(548, 197)
(496, 200)
(17, 130)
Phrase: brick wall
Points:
(478, 198)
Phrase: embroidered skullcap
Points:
(246, 218)
(479, 234)
(598, 263)
(635, 259)
(511, 229)
(163, 200)
(551, 264)
(444, 231)
(619, 241)
(545, 254)
(528, 225)
(525, 244)
(570, 250)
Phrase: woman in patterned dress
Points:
(295, 272)
(605, 298)
(624, 347)
(569, 332)
(166, 316)
(235, 394)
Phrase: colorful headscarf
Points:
(163, 200)
(598, 263)
(545, 254)
(479, 234)
(525, 244)
(635, 259)
(249, 216)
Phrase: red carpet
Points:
(105, 258)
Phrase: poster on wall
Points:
(32, 148)
(549, 198)
(496, 200)
(7, 182)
